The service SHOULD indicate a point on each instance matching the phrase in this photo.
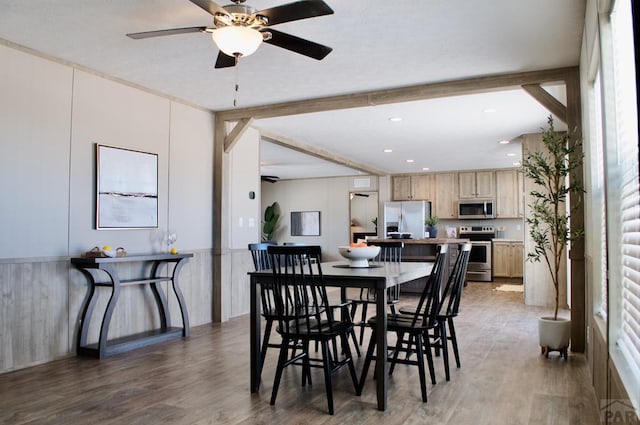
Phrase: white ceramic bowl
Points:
(360, 256)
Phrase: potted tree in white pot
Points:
(551, 169)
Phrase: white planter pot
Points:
(554, 335)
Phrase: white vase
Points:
(554, 335)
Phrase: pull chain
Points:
(235, 84)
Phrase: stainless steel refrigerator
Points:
(406, 216)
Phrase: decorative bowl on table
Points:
(359, 256)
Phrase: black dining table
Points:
(379, 277)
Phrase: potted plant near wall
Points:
(552, 169)
(271, 221)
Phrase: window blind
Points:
(630, 333)
(627, 135)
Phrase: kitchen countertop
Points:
(425, 241)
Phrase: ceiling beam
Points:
(547, 100)
(318, 153)
(402, 94)
(237, 132)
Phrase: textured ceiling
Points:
(377, 45)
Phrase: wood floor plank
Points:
(205, 380)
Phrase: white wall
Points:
(190, 212)
(330, 196)
(51, 117)
(35, 125)
(109, 113)
(244, 223)
(244, 177)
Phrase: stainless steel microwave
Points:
(475, 209)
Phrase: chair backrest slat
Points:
(390, 251)
(261, 261)
(259, 255)
(298, 287)
(453, 290)
(429, 303)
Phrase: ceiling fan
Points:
(270, 179)
(238, 30)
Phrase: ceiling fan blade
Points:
(295, 11)
(159, 33)
(225, 61)
(298, 45)
(209, 6)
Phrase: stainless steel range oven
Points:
(480, 263)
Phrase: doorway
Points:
(363, 215)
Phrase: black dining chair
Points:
(412, 330)
(262, 261)
(304, 315)
(390, 251)
(449, 309)
(450, 304)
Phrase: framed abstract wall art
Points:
(126, 188)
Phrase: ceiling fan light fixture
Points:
(237, 40)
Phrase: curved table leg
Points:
(161, 300)
(180, 297)
(111, 305)
(87, 311)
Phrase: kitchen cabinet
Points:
(445, 204)
(509, 194)
(476, 184)
(508, 259)
(410, 188)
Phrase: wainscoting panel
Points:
(34, 326)
(196, 283)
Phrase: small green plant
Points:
(431, 221)
(271, 221)
(553, 171)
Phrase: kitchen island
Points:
(425, 250)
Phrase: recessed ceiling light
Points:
(395, 119)
(490, 111)
(504, 142)
(511, 154)
(517, 164)
(388, 150)
(425, 168)
(409, 160)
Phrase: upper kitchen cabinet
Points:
(476, 184)
(411, 188)
(446, 200)
(509, 194)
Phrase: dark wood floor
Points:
(205, 380)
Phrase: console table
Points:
(108, 266)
